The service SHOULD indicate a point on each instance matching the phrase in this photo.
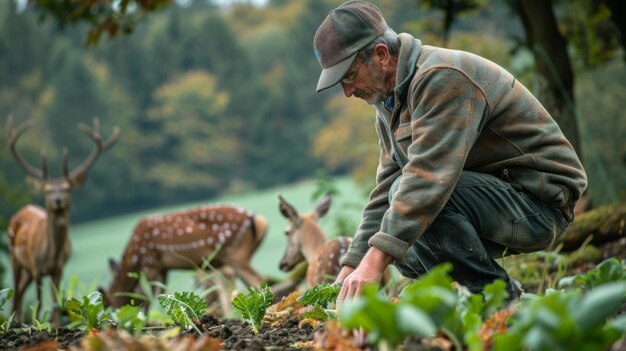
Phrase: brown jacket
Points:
(456, 111)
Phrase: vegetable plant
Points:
(5, 296)
(254, 305)
(387, 323)
(567, 320)
(39, 325)
(609, 270)
(319, 298)
(185, 308)
(89, 313)
(129, 318)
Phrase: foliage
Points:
(386, 322)
(185, 308)
(264, 68)
(560, 320)
(129, 318)
(322, 294)
(567, 320)
(102, 16)
(89, 313)
(5, 296)
(607, 271)
(319, 298)
(254, 305)
(40, 324)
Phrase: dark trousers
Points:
(484, 219)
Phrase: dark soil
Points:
(234, 335)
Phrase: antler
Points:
(93, 134)
(12, 136)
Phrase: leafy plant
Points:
(567, 320)
(254, 305)
(609, 270)
(39, 325)
(5, 296)
(319, 298)
(129, 318)
(387, 323)
(90, 313)
(185, 308)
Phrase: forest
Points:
(213, 99)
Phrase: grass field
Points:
(97, 241)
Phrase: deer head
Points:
(38, 238)
(306, 241)
(57, 191)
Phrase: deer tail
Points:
(258, 226)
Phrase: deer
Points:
(306, 241)
(39, 243)
(225, 235)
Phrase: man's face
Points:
(369, 83)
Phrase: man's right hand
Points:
(345, 271)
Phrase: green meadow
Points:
(94, 243)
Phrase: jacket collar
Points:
(410, 49)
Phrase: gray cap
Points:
(347, 29)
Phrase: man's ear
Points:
(383, 58)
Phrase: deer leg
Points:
(248, 274)
(21, 280)
(38, 286)
(56, 312)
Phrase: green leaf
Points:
(599, 304)
(318, 312)
(619, 324)
(254, 305)
(5, 295)
(413, 321)
(131, 319)
(90, 312)
(185, 308)
(322, 294)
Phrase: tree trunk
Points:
(555, 79)
(601, 225)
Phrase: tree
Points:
(191, 147)
(111, 17)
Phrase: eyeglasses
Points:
(351, 79)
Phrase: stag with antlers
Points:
(39, 243)
(226, 235)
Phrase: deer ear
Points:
(287, 210)
(322, 206)
(38, 184)
(113, 265)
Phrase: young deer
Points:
(306, 241)
(38, 238)
(226, 234)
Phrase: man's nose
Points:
(348, 89)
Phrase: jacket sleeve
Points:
(388, 170)
(447, 112)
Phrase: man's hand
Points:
(370, 270)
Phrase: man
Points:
(471, 167)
